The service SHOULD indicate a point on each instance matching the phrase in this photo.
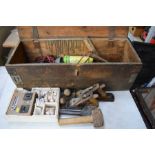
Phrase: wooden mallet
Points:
(96, 118)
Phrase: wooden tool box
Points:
(111, 43)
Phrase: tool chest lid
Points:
(47, 32)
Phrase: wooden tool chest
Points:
(111, 43)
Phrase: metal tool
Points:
(84, 95)
(103, 95)
(27, 96)
(96, 118)
(14, 103)
(87, 110)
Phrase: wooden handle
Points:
(97, 57)
(76, 120)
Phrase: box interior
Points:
(115, 50)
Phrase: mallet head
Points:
(97, 116)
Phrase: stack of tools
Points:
(84, 103)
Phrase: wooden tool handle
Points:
(76, 120)
(97, 57)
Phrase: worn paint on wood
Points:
(46, 32)
(116, 76)
(118, 73)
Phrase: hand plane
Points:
(84, 95)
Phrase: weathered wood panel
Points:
(110, 42)
(112, 50)
(56, 47)
(19, 56)
(39, 75)
(45, 32)
(116, 76)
